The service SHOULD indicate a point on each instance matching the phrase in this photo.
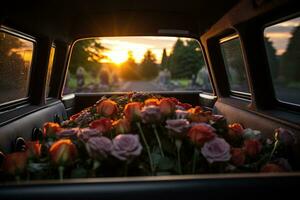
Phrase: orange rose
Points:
(121, 126)
(151, 102)
(63, 152)
(132, 111)
(167, 106)
(198, 115)
(199, 134)
(235, 129)
(238, 156)
(252, 147)
(33, 149)
(271, 168)
(107, 108)
(50, 129)
(15, 163)
(103, 125)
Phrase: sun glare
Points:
(116, 57)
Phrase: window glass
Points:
(112, 64)
(50, 65)
(15, 64)
(282, 42)
(234, 64)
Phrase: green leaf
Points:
(166, 164)
(79, 173)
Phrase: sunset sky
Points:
(281, 33)
(119, 47)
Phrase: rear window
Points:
(282, 42)
(234, 64)
(121, 64)
(15, 65)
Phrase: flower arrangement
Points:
(143, 134)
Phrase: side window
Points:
(121, 64)
(234, 64)
(282, 42)
(49, 72)
(15, 66)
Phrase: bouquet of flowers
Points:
(141, 134)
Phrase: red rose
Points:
(75, 116)
(201, 133)
(252, 147)
(270, 167)
(63, 152)
(103, 125)
(50, 129)
(235, 131)
(107, 108)
(33, 149)
(185, 106)
(166, 106)
(15, 163)
(238, 156)
(132, 111)
(151, 102)
(121, 126)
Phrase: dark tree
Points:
(148, 66)
(272, 58)
(129, 69)
(164, 60)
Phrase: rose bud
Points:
(177, 127)
(166, 106)
(216, 150)
(33, 149)
(132, 111)
(63, 152)
(201, 133)
(150, 114)
(121, 126)
(107, 108)
(252, 147)
(99, 147)
(285, 136)
(151, 102)
(15, 163)
(50, 129)
(86, 133)
(270, 167)
(103, 125)
(126, 147)
(238, 156)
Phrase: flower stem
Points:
(158, 140)
(126, 169)
(61, 172)
(195, 159)
(274, 149)
(178, 144)
(146, 145)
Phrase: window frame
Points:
(25, 100)
(235, 93)
(204, 54)
(48, 94)
(283, 104)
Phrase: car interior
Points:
(59, 24)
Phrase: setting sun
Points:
(116, 57)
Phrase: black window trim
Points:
(283, 104)
(235, 93)
(48, 96)
(22, 101)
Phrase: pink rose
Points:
(99, 147)
(68, 133)
(86, 133)
(216, 150)
(150, 114)
(287, 137)
(125, 147)
(177, 127)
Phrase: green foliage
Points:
(291, 59)
(272, 58)
(148, 67)
(87, 54)
(185, 59)
(164, 60)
